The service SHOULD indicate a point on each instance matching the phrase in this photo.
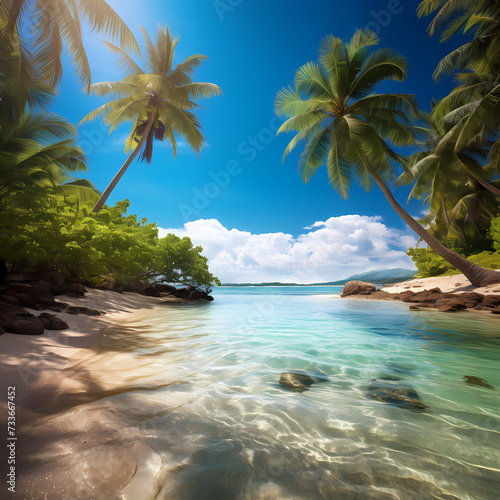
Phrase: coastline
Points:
(53, 374)
(30, 362)
(442, 293)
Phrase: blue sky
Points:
(254, 48)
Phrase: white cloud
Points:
(329, 250)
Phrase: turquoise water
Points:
(203, 393)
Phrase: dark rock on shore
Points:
(52, 322)
(151, 291)
(469, 379)
(427, 299)
(21, 323)
(300, 381)
(491, 301)
(161, 290)
(358, 288)
(450, 304)
(83, 310)
(388, 390)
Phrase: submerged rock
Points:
(388, 390)
(477, 381)
(300, 381)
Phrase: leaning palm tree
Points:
(57, 23)
(159, 101)
(349, 128)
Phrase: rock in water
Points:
(388, 390)
(300, 381)
(477, 381)
(358, 288)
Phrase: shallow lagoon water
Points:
(203, 393)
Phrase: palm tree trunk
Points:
(485, 184)
(130, 159)
(477, 275)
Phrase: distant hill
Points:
(379, 276)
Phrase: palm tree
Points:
(347, 126)
(159, 100)
(55, 23)
(438, 167)
(479, 17)
(476, 101)
(39, 150)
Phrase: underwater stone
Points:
(477, 381)
(387, 390)
(299, 381)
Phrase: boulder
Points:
(52, 322)
(59, 289)
(471, 299)
(77, 289)
(196, 295)
(165, 288)
(404, 296)
(21, 323)
(151, 291)
(34, 289)
(136, 286)
(182, 293)
(20, 277)
(46, 300)
(358, 288)
(450, 305)
(382, 295)
(426, 296)
(82, 310)
(388, 390)
(491, 300)
(469, 379)
(10, 300)
(300, 381)
(5, 307)
(22, 299)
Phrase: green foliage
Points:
(429, 263)
(495, 233)
(42, 228)
(489, 260)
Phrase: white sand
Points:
(55, 368)
(457, 283)
(28, 362)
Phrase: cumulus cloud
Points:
(327, 251)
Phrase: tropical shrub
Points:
(42, 228)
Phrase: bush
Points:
(489, 260)
(429, 263)
(41, 229)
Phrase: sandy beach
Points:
(457, 283)
(57, 371)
